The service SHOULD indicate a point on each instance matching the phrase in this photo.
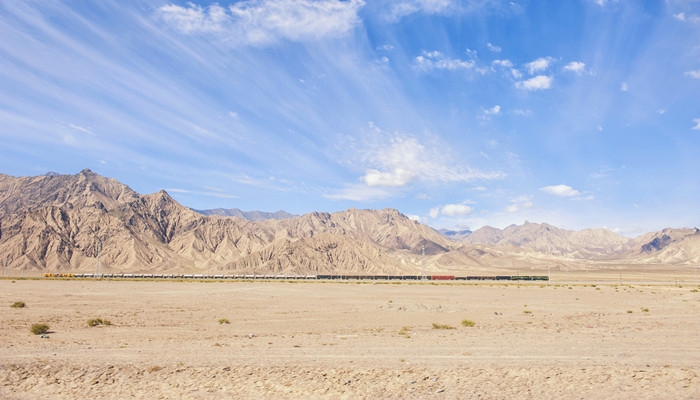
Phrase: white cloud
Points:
(687, 18)
(386, 47)
(397, 177)
(697, 124)
(414, 218)
(575, 66)
(494, 48)
(623, 86)
(693, 74)
(233, 114)
(502, 63)
(540, 64)
(395, 160)
(261, 22)
(456, 209)
(560, 190)
(513, 208)
(493, 110)
(434, 212)
(537, 83)
(430, 60)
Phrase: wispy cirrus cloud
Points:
(359, 192)
(262, 22)
(217, 193)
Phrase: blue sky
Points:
(458, 113)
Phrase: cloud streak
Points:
(263, 22)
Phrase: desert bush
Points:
(645, 310)
(18, 304)
(224, 321)
(468, 323)
(527, 312)
(39, 329)
(442, 326)
(629, 311)
(404, 331)
(94, 322)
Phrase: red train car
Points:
(442, 277)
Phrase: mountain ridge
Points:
(57, 222)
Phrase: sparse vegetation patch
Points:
(98, 321)
(442, 326)
(39, 329)
(18, 304)
(468, 323)
(224, 321)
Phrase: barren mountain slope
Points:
(549, 239)
(387, 228)
(85, 188)
(321, 254)
(69, 216)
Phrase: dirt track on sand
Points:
(346, 340)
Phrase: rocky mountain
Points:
(545, 238)
(56, 223)
(60, 222)
(249, 215)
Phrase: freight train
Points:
(308, 277)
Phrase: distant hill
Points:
(249, 215)
(454, 235)
(585, 244)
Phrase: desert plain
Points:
(288, 340)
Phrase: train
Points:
(308, 277)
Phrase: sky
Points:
(460, 114)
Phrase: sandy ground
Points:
(348, 341)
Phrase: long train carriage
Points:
(307, 277)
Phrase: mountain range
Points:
(63, 222)
(254, 215)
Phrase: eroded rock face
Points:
(56, 222)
